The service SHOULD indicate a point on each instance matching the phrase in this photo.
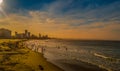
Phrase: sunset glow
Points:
(59, 35)
(1, 2)
(89, 19)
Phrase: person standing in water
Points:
(66, 48)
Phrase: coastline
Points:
(74, 66)
(77, 66)
(23, 59)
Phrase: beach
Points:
(51, 55)
(57, 55)
(20, 58)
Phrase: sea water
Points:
(104, 54)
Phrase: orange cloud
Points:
(42, 22)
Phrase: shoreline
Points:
(23, 59)
(82, 66)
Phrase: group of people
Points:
(38, 46)
(63, 47)
(35, 46)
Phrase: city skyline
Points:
(7, 34)
(75, 19)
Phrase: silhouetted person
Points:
(66, 49)
(58, 47)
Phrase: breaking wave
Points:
(106, 57)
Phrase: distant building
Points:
(19, 35)
(40, 36)
(5, 33)
(26, 34)
(29, 34)
(45, 37)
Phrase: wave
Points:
(106, 57)
(101, 56)
(95, 64)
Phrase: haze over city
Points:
(75, 19)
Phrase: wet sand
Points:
(80, 66)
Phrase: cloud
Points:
(57, 6)
(98, 23)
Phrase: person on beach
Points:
(66, 49)
(58, 47)
(36, 49)
(42, 50)
(32, 46)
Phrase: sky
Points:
(75, 19)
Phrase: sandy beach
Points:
(15, 57)
(54, 55)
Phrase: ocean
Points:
(68, 54)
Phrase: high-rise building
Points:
(5, 33)
(26, 33)
(40, 35)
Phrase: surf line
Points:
(102, 56)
